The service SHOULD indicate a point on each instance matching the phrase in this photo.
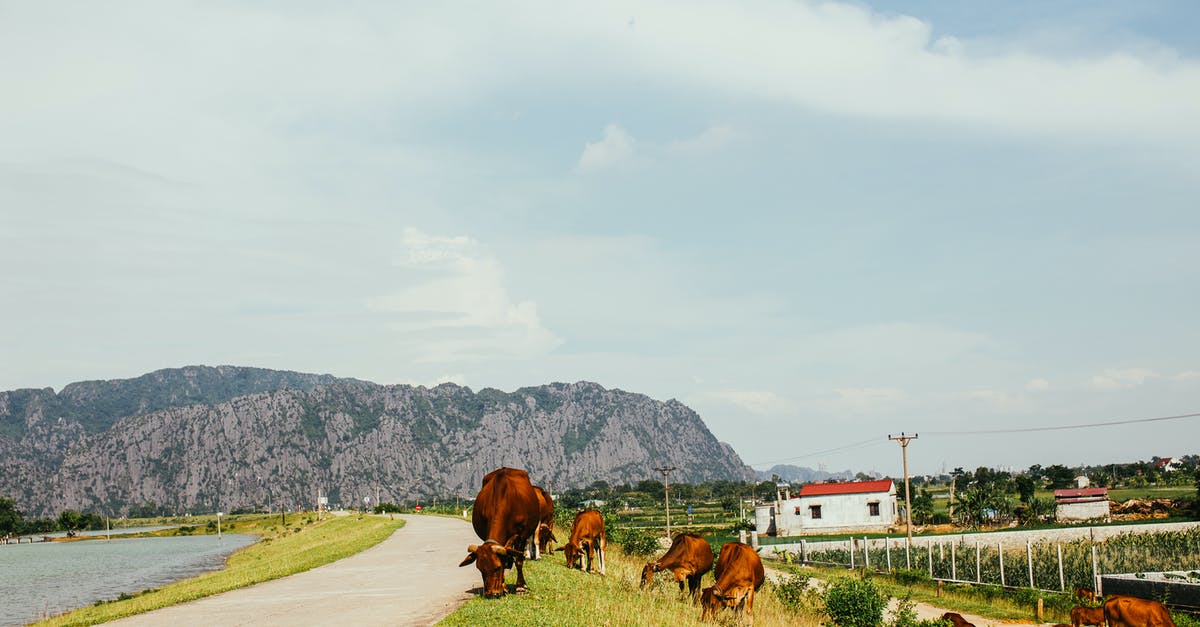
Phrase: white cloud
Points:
(616, 147)
(1188, 376)
(869, 398)
(1121, 379)
(1037, 385)
(453, 303)
(710, 139)
(760, 402)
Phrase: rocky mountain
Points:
(801, 474)
(229, 438)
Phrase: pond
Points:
(46, 578)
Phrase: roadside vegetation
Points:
(302, 544)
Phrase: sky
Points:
(817, 224)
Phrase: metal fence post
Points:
(1029, 560)
(1062, 582)
(953, 561)
(887, 549)
(929, 551)
(850, 547)
(1095, 572)
(866, 554)
(1000, 549)
(907, 556)
(978, 573)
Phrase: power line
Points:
(1088, 425)
(864, 443)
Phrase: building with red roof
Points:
(830, 508)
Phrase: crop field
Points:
(954, 559)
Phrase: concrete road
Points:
(412, 578)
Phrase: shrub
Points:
(906, 616)
(855, 603)
(793, 593)
(908, 576)
(634, 541)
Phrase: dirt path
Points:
(924, 611)
(412, 578)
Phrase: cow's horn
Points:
(499, 549)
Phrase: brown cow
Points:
(739, 572)
(1126, 611)
(545, 534)
(1084, 615)
(957, 619)
(587, 534)
(506, 517)
(1085, 594)
(689, 557)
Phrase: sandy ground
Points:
(412, 578)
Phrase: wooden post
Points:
(1041, 611)
(1062, 582)
(939, 590)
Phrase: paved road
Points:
(412, 578)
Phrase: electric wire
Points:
(1088, 425)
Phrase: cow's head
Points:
(648, 573)
(572, 552)
(491, 559)
(713, 599)
(545, 538)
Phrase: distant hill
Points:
(205, 439)
(802, 474)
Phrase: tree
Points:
(10, 518)
(922, 506)
(1060, 476)
(70, 521)
(1026, 486)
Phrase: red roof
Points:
(850, 487)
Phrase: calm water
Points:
(46, 578)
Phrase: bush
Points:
(906, 616)
(855, 603)
(792, 592)
(634, 541)
(908, 576)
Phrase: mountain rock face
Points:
(802, 474)
(222, 439)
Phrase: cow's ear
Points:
(470, 559)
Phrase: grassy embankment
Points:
(558, 596)
(303, 544)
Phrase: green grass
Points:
(302, 545)
(558, 596)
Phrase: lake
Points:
(46, 578)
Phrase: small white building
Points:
(1081, 504)
(829, 508)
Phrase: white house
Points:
(830, 507)
(1081, 504)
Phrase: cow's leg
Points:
(533, 547)
(521, 587)
(750, 604)
(589, 555)
(600, 550)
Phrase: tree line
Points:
(13, 521)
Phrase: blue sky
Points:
(814, 223)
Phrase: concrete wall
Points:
(1082, 511)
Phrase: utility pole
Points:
(667, 494)
(904, 440)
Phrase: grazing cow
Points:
(1084, 615)
(957, 619)
(689, 558)
(505, 517)
(1087, 595)
(1126, 611)
(739, 572)
(587, 534)
(545, 534)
